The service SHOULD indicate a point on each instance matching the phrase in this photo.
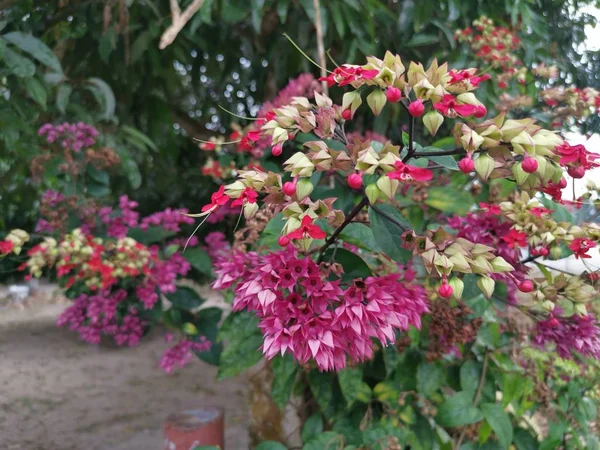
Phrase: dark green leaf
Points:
(360, 235)
(499, 421)
(329, 440)
(270, 445)
(199, 260)
(560, 214)
(458, 410)
(97, 189)
(430, 377)
(106, 94)
(523, 440)
(353, 387)
(312, 427)
(284, 374)
(354, 266)
(36, 91)
(244, 338)
(322, 386)
(35, 48)
(388, 234)
(470, 373)
(185, 297)
(19, 65)
(422, 39)
(62, 97)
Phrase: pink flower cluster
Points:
(168, 219)
(119, 222)
(216, 244)
(488, 229)
(303, 86)
(95, 315)
(316, 319)
(71, 136)
(576, 333)
(181, 353)
(161, 278)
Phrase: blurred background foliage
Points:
(101, 64)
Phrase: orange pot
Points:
(189, 429)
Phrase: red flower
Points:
(217, 199)
(6, 247)
(515, 238)
(490, 209)
(577, 157)
(344, 75)
(307, 229)
(404, 172)
(249, 195)
(580, 247)
(465, 75)
(253, 135)
(450, 108)
(208, 146)
(540, 211)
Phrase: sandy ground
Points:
(58, 393)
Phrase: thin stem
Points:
(477, 395)
(529, 259)
(351, 215)
(454, 151)
(320, 46)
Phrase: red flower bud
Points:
(529, 165)
(562, 183)
(480, 111)
(466, 165)
(543, 251)
(393, 94)
(283, 241)
(576, 172)
(277, 150)
(355, 180)
(553, 322)
(416, 108)
(525, 286)
(347, 114)
(445, 290)
(289, 188)
(502, 85)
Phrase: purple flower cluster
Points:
(119, 222)
(181, 353)
(302, 86)
(576, 333)
(95, 315)
(70, 136)
(168, 219)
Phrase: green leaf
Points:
(36, 91)
(199, 260)
(53, 79)
(458, 410)
(151, 235)
(97, 189)
(19, 65)
(499, 421)
(388, 234)
(282, 10)
(62, 97)
(445, 160)
(470, 373)
(98, 175)
(209, 447)
(353, 387)
(270, 445)
(139, 136)
(560, 214)
(386, 391)
(185, 297)
(422, 39)
(207, 323)
(354, 266)
(140, 46)
(284, 375)
(312, 427)
(241, 351)
(449, 201)
(329, 440)
(106, 95)
(523, 440)
(430, 377)
(321, 385)
(360, 235)
(35, 48)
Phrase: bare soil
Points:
(58, 393)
